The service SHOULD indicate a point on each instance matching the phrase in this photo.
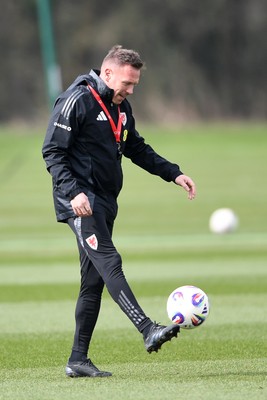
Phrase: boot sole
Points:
(72, 374)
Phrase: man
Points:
(91, 127)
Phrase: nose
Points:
(130, 89)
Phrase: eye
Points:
(128, 84)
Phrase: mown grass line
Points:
(50, 292)
(230, 341)
(40, 257)
(158, 380)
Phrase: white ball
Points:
(188, 306)
(223, 220)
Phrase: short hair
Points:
(123, 56)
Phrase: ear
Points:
(108, 74)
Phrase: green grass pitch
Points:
(165, 242)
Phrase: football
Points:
(188, 306)
(223, 220)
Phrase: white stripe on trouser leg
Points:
(78, 227)
(133, 314)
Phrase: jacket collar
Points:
(97, 83)
(100, 86)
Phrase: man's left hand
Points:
(187, 183)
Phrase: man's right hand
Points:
(81, 205)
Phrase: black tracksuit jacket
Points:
(80, 149)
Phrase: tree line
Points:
(204, 59)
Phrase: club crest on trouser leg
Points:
(92, 242)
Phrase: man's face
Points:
(122, 79)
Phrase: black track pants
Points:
(100, 264)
